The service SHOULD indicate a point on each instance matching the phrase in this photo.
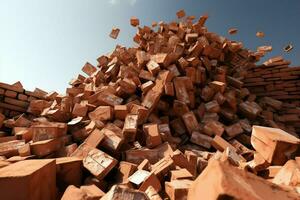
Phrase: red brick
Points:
(229, 181)
(27, 180)
(99, 163)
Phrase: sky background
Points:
(45, 43)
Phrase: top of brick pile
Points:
(150, 118)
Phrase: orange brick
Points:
(130, 127)
(79, 110)
(178, 189)
(153, 137)
(102, 113)
(134, 21)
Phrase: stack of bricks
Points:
(276, 79)
(14, 100)
(167, 119)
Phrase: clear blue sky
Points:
(45, 43)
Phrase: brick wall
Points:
(276, 79)
(14, 99)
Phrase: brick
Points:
(232, 182)
(178, 189)
(139, 177)
(221, 144)
(108, 99)
(126, 169)
(10, 148)
(153, 67)
(181, 174)
(190, 122)
(2, 117)
(250, 109)
(134, 21)
(99, 163)
(16, 102)
(68, 171)
(162, 167)
(28, 179)
(213, 127)
(153, 137)
(114, 33)
(152, 194)
(180, 14)
(72, 192)
(24, 150)
(46, 131)
(79, 110)
(201, 140)
(212, 106)
(145, 87)
(11, 94)
(11, 87)
(120, 111)
(92, 192)
(275, 145)
(119, 192)
(112, 141)
(234, 130)
(130, 127)
(12, 107)
(45, 147)
(101, 113)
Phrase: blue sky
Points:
(44, 43)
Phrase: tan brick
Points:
(178, 189)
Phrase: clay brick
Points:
(11, 94)
(152, 194)
(108, 99)
(169, 89)
(89, 69)
(130, 127)
(201, 140)
(234, 130)
(26, 180)
(153, 137)
(212, 127)
(22, 97)
(120, 111)
(119, 192)
(227, 180)
(144, 165)
(180, 14)
(212, 106)
(275, 145)
(45, 131)
(221, 144)
(190, 122)
(126, 169)
(112, 140)
(162, 167)
(24, 150)
(10, 148)
(2, 117)
(92, 192)
(178, 189)
(181, 174)
(153, 67)
(72, 192)
(79, 110)
(145, 87)
(68, 171)
(218, 86)
(250, 109)
(114, 33)
(99, 163)
(15, 102)
(134, 21)
(11, 87)
(45, 147)
(101, 113)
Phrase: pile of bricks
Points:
(14, 100)
(168, 119)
